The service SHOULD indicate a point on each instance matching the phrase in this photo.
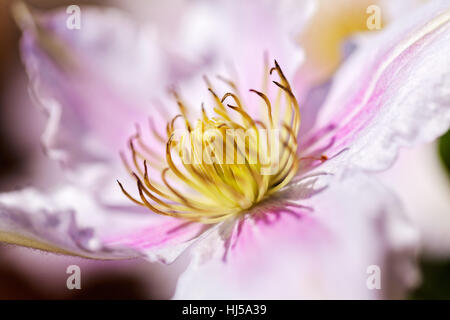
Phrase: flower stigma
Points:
(219, 166)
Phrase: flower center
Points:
(224, 164)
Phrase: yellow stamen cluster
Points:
(207, 188)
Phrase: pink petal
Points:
(298, 254)
(95, 82)
(392, 92)
(164, 239)
(235, 36)
(31, 219)
(70, 221)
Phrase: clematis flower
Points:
(309, 229)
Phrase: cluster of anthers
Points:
(210, 189)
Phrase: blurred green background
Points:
(436, 274)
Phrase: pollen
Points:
(222, 164)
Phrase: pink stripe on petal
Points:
(392, 92)
(163, 233)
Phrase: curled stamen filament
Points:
(199, 182)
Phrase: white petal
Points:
(322, 254)
(393, 92)
(420, 180)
